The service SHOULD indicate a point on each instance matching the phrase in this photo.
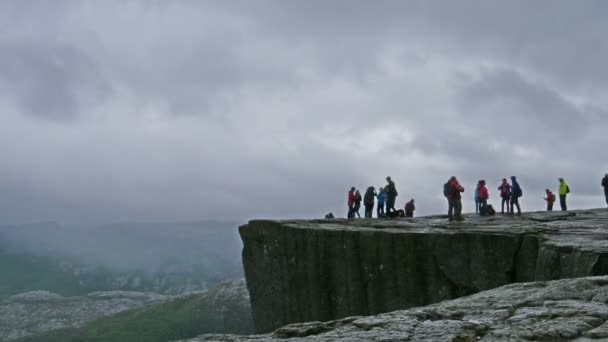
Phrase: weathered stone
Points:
(322, 270)
(39, 311)
(560, 310)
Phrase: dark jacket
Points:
(391, 190)
(409, 207)
(605, 183)
(516, 189)
(368, 198)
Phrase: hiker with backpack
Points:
(351, 202)
(452, 191)
(564, 190)
(516, 193)
(505, 194)
(391, 195)
(483, 194)
(410, 207)
(381, 200)
(368, 201)
(550, 199)
(605, 185)
(357, 205)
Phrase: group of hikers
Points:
(452, 190)
(386, 197)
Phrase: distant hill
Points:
(224, 309)
(167, 257)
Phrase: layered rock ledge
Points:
(323, 270)
(561, 310)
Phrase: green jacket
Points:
(563, 188)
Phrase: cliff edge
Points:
(323, 270)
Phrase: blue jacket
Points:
(381, 197)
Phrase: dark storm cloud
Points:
(237, 109)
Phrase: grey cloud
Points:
(505, 100)
(291, 103)
(51, 81)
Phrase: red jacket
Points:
(505, 189)
(550, 197)
(456, 189)
(483, 193)
(351, 198)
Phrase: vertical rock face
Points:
(300, 271)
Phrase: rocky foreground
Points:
(323, 270)
(39, 311)
(562, 310)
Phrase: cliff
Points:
(302, 271)
(561, 310)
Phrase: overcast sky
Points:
(162, 110)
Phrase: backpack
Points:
(517, 191)
(567, 189)
(553, 198)
(446, 189)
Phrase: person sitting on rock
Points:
(410, 207)
(351, 202)
(564, 190)
(605, 185)
(391, 195)
(487, 210)
(368, 201)
(505, 195)
(357, 206)
(516, 193)
(452, 191)
(550, 199)
(381, 200)
(396, 213)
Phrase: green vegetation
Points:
(181, 318)
(21, 273)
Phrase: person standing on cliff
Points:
(505, 194)
(516, 193)
(368, 201)
(550, 199)
(391, 195)
(357, 206)
(564, 190)
(605, 185)
(476, 197)
(351, 202)
(452, 190)
(381, 201)
(410, 207)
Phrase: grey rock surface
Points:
(561, 310)
(39, 311)
(322, 270)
